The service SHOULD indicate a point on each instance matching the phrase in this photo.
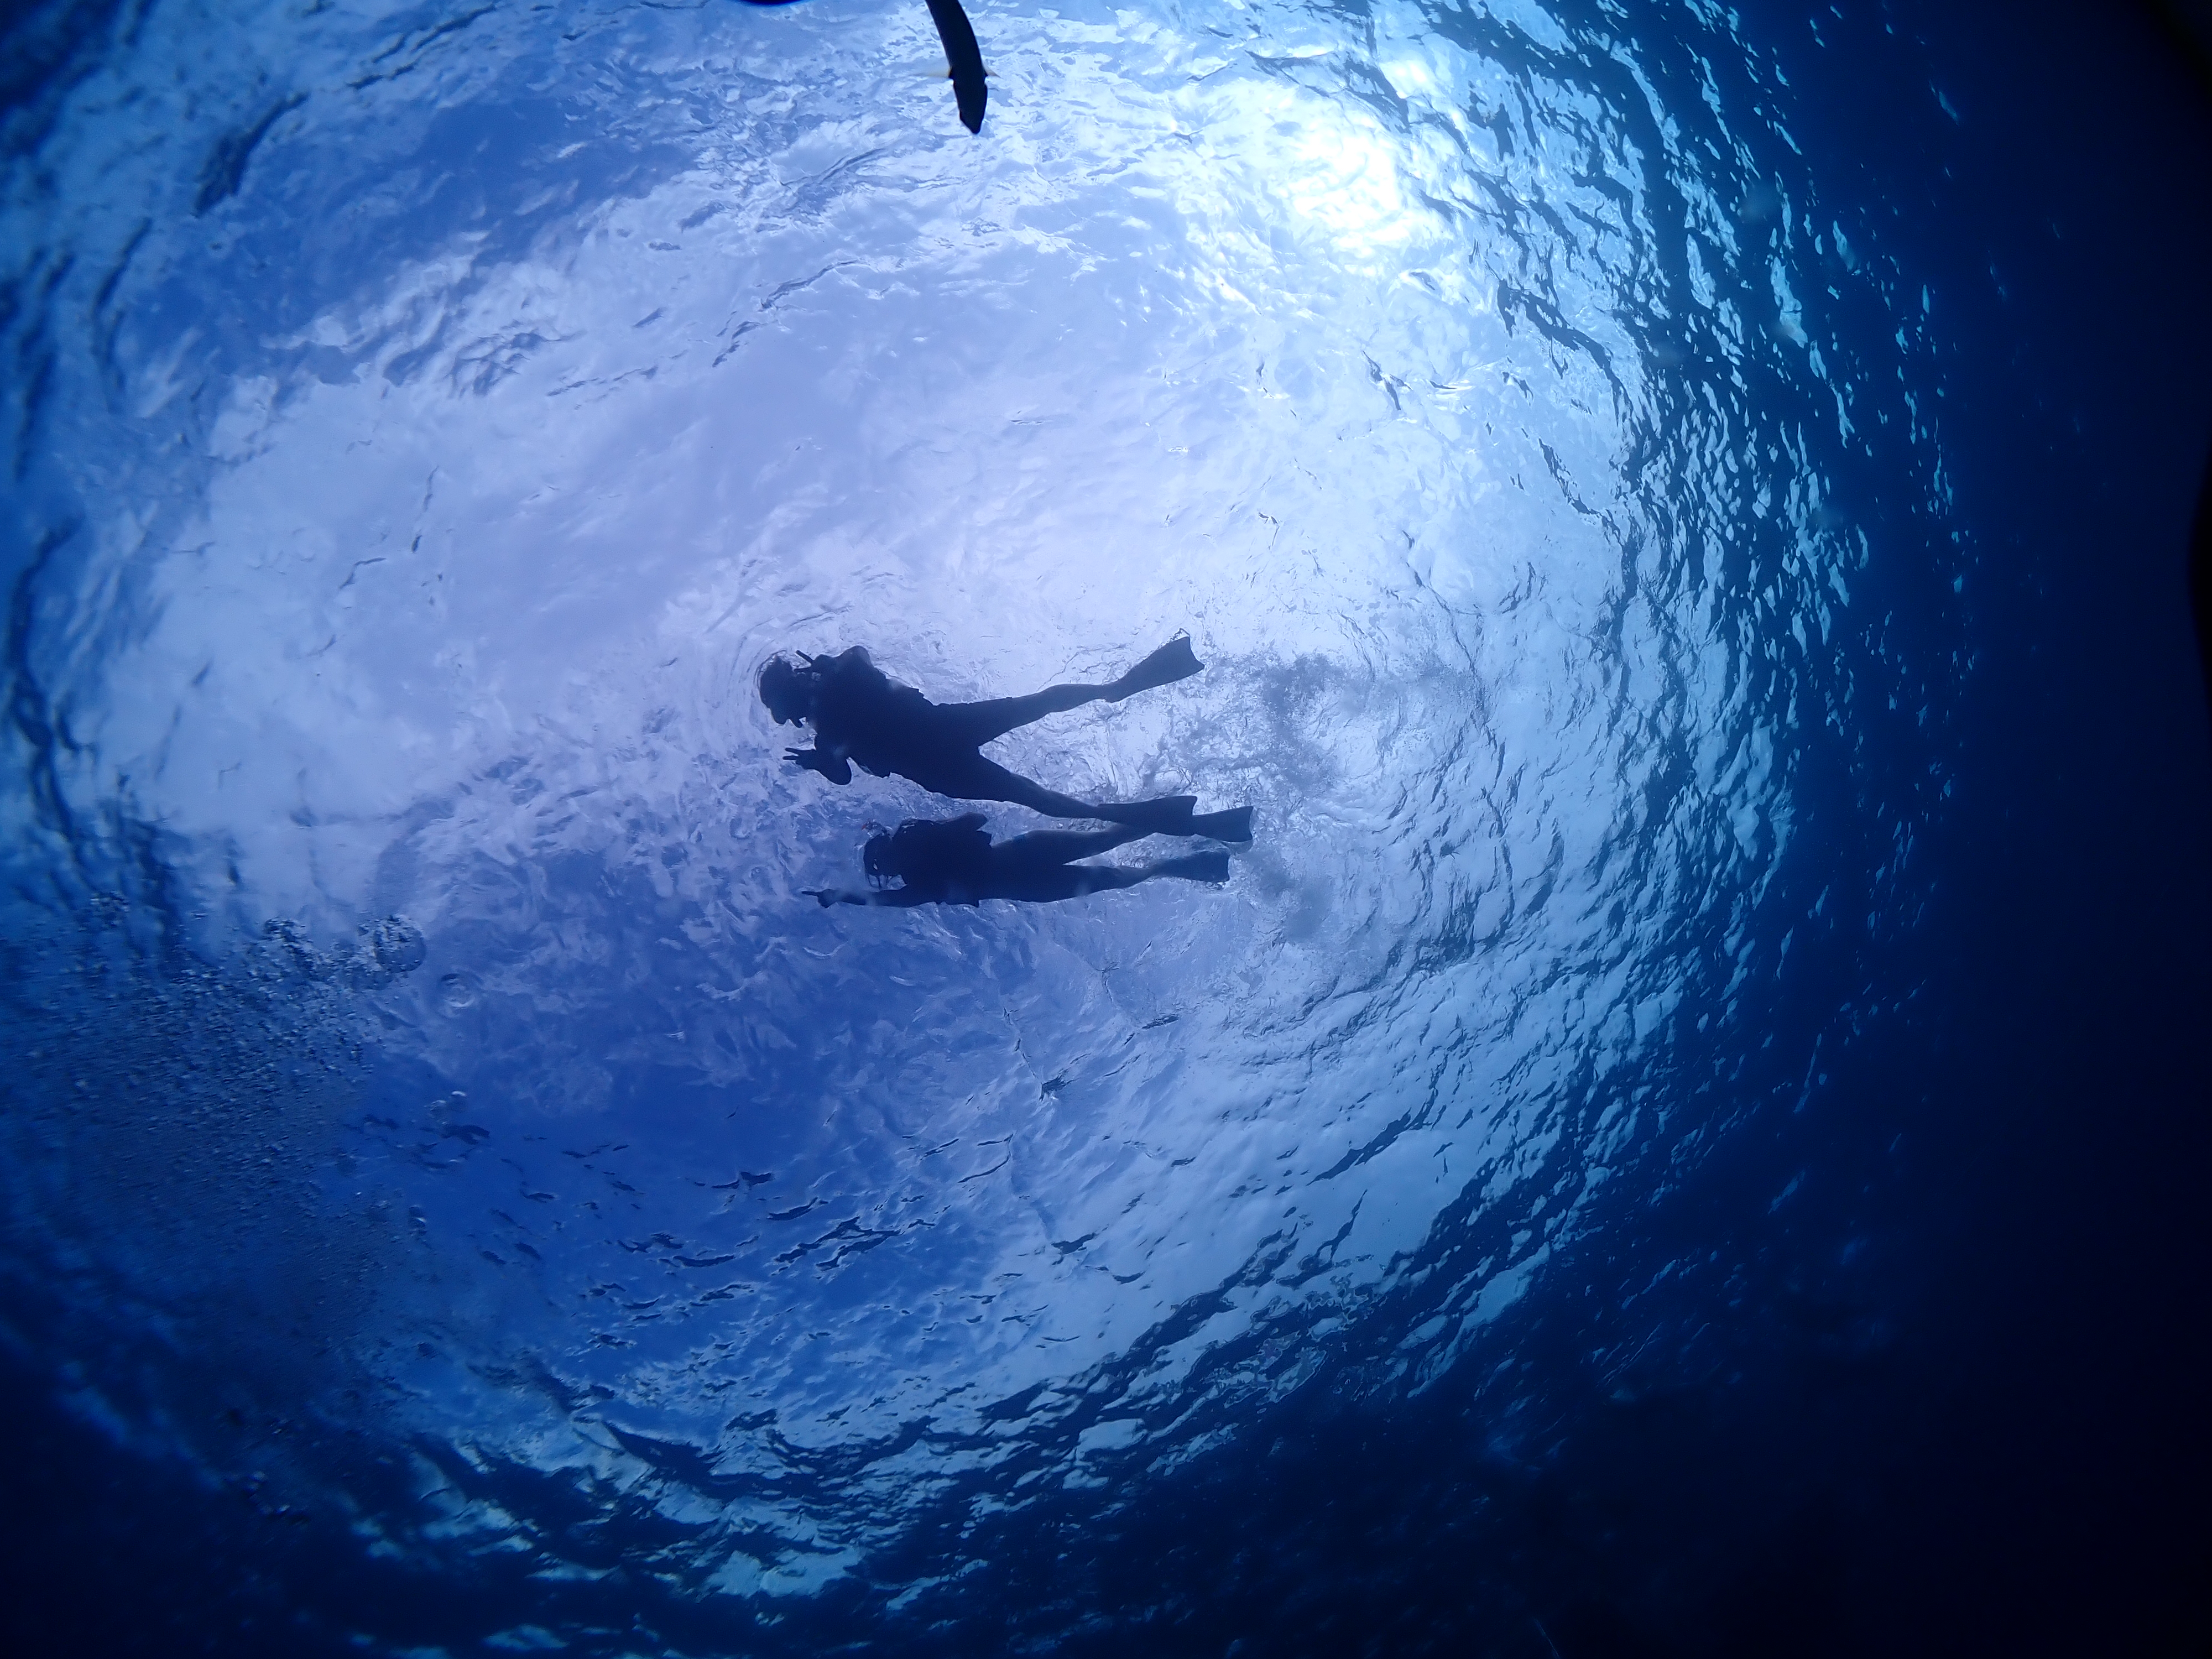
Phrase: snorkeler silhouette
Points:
(963, 58)
(860, 714)
(955, 861)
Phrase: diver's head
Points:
(787, 688)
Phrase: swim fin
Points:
(965, 59)
(1195, 866)
(1234, 824)
(1171, 815)
(1171, 662)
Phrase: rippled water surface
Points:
(444, 1111)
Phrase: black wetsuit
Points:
(955, 861)
(861, 716)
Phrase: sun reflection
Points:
(1345, 179)
(1338, 170)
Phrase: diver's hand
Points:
(821, 895)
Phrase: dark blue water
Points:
(1684, 1133)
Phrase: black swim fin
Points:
(1195, 866)
(1171, 815)
(1171, 662)
(1234, 824)
(965, 59)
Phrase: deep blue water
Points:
(1684, 1133)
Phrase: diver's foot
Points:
(1173, 661)
(1234, 824)
(1211, 867)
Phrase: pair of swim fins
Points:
(963, 58)
(1172, 815)
(1175, 815)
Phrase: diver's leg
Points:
(1168, 816)
(1065, 881)
(1191, 866)
(979, 722)
(963, 775)
(1042, 849)
(971, 777)
(966, 776)
(1060, 881)
(1047, 884)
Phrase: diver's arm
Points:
(834, 678)
(829, 763)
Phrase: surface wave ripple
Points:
(429, 420)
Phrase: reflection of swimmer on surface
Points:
(862, 716)
(955, 861)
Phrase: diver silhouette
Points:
(861, 715)
(955, 861)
